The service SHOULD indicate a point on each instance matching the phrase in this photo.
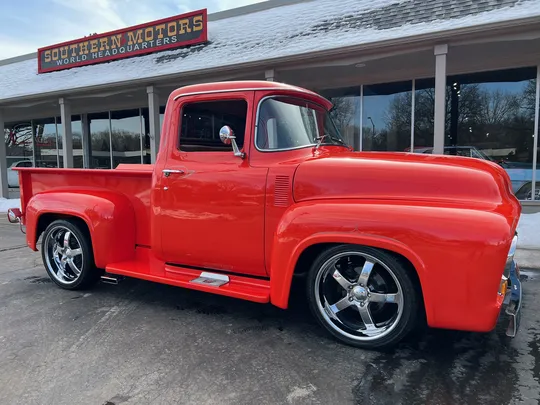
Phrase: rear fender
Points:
(110, 217)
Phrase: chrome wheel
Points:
(63, 255)
(358, 296)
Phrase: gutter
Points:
(439, 37)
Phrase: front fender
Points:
(458, 253)
(110, 217)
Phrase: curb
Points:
(528, 258)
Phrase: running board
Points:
(211, 279)
(230, 285)
(111, 279)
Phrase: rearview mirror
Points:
(226, 135)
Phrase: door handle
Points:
(168, 172)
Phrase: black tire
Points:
(61, 272)
(352, 300)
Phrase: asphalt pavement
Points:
(145, 343)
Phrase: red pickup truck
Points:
(253, 185)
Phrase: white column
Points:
(155, 127)
(3, 161)
(67, 136)
(440, 98)
(270, 75)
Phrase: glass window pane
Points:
(201, 123)
(424, 113)
(100, 153)
(490, 115)
(126, 136)
(18, 136)
(76, 133)
(386, 121)
(346, 113)
(45, 142)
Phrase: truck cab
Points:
(253, 185)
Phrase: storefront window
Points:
(18, 138)
(127, 126)
(346, 113)
(386, 121)
(76, 133)
(100, 151)
(490, 115)
(424, 113)
(46, 142)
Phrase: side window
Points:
(201, 122)
(24, 164)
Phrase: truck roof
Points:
(247, 85)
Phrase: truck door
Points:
(212, 201)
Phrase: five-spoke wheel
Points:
(363, 296)
(67, 255)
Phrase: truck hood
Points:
(402, 176)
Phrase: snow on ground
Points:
(529, 231)
(9, 203)
(265, 35)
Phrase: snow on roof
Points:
(273, 33)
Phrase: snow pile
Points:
(9, 203)
(295, 29)
(529, 231)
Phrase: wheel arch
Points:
(306, 251)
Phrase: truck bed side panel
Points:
(135, 185)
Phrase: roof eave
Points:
(442, 36)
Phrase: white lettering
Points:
(84, 57)
(165, 41)
(107, 53)
(66, 61)
(123, 49)
(114, 51)
(136, 48)
(130, 48)
(152, 43)
(100, 54)
(158, 42)
(144, 45)
(174, 39)
(59, 62)
(72, 59)
(94, 55)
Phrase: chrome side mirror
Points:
(226, 135)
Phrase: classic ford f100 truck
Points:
(253, 185)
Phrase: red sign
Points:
(169, 33)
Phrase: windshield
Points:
(290, 123)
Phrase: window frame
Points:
(257, 116)
(180, 111)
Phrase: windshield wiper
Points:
(340, 141)
(320, 140)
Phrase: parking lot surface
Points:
(145, 343)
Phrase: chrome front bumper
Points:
(512, 300)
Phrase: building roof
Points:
(273, 33)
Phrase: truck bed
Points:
(133, 181)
